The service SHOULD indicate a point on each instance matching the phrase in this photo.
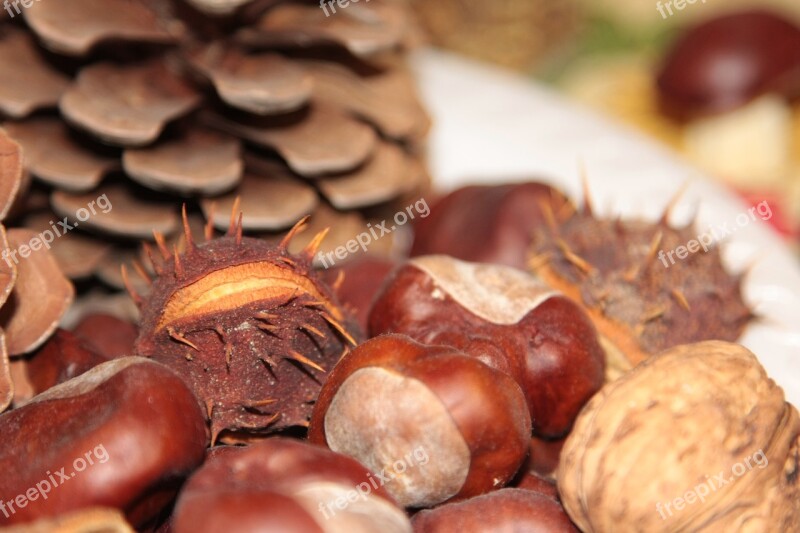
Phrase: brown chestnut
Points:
(544, 456)
(530, 480)
(285, 486)
(506, 318)
(505, 510)
(357, 282)
(62, 358)
(725, 62)
(488, 223)
(122, 435)
(107, 334)
(437, 423)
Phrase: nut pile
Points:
(522, 370)
(431, 395)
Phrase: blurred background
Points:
(737, 62)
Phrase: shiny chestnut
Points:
(489, 223)
(439, 424)
(503, 510)
(285, 486)
(726, 62)
(507, 319)
(124, 435)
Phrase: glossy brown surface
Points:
(503, 511)
(543, 459)
(726, 62)
(62, 358)
(137, 422)
(107, 334)
(488, 224)
(358, 282)
(532, 481)
(552, 352)
(487, 407)
(269, 487)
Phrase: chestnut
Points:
(503, 510)
(544, 456)
(122, 435)
(725, 62)
(63, 357)
(539, 470)
(357, 282)
(530, 480)
(507, 319)
(437, 423)
(499, 221)
(107, 334)
(284, 486)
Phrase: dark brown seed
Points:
(724, 63)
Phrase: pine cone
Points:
(34, 294)
(151, 104)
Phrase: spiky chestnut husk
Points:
(639, 305)
(249, 326)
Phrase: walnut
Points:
(697, 438)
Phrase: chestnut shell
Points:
(251, 327)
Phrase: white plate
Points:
(493, 126)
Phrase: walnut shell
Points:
(669, 429)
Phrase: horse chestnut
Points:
(503, 510)
(499, 219)
(122, 435)
(508, 320)
(284, 486)
(724, 63)
(392, 400)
